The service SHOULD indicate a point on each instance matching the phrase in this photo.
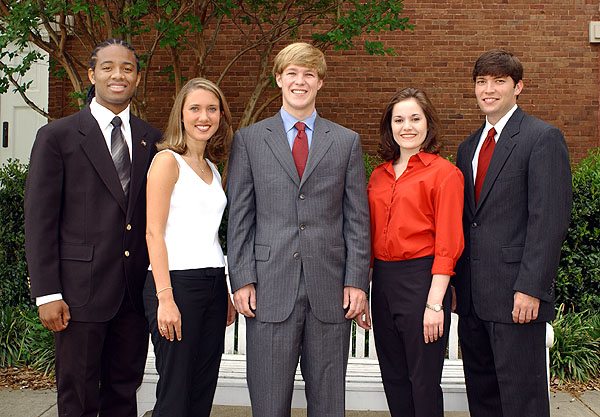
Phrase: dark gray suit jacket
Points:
(514, 234)
(279, 224)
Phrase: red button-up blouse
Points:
(419, 214)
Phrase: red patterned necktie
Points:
(300, 148)
(485, 155)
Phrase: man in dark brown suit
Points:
(85, 239)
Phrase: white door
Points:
(18, 122)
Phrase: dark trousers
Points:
(410, 368)
(99, 366)
(188, 369)
(505, 367)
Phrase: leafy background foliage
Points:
(578, 282)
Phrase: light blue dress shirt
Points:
(288, 124)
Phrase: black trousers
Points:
(188, 369)
(410, 368)
(99, 366)
(505, 367)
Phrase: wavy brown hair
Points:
(219, 145)
(388, 148)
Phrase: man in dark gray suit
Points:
(516, 214)
(298, 243)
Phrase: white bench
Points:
(364, 390)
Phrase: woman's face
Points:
(200, 115)
(409, 126)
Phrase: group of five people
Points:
(305, 236)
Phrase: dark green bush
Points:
(575, 355)
(24, 341)
(578, 282)
(14, 289)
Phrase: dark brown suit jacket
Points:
(83, 239)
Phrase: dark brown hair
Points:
(388, 148)
(498, 63)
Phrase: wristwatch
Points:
(434, 307)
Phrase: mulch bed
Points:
(25, 378)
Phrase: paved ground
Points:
(42, 403)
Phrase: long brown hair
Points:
(388, 148)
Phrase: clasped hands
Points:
(354, 301)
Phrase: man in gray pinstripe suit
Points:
(298, 243)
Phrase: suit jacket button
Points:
(296, 255)
(474, 225)
(127, 254)
(301, 197)
(302, 226)
(128, 227)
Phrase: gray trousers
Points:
(273, 350)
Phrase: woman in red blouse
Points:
(416, 203)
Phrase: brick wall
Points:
(550, 37)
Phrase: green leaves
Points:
(578, 282)
(14, 289)
(575, 355)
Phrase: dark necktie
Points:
(300, 148)
(120, 154)
(485, 155)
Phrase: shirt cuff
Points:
(45, 299)
(443, 266)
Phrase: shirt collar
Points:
(104, 116)
(501, 123)
(289, 121)
(424, 157)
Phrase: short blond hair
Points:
(218, 147)
(302, 54)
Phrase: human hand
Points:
(230, 311)
(355, 300)
(365, 322)
(244, 300)
(55, 315)
(433, 325)
(168, 318)
(525, 308)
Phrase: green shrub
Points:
(578, 282)
(371, 163)
(575, 355)
(24, 341)
(14, 289)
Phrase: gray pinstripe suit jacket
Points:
(279, 223)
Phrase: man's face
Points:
(299, 86)
(496, 95)
(115, 77)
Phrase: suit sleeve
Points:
(549, 207)
(43, 201)
(241, 225)
(357, 236)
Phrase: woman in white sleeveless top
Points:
(185, 295)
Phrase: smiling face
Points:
(115, 77)
(201, 115)
(409, 126)
(299, 86)
(496, 95)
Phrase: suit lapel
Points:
(140, 153)
(501, 153)
(469, 185)
(95, 148)
(319, 146)
(276, 139)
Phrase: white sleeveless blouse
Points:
(195, 213)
